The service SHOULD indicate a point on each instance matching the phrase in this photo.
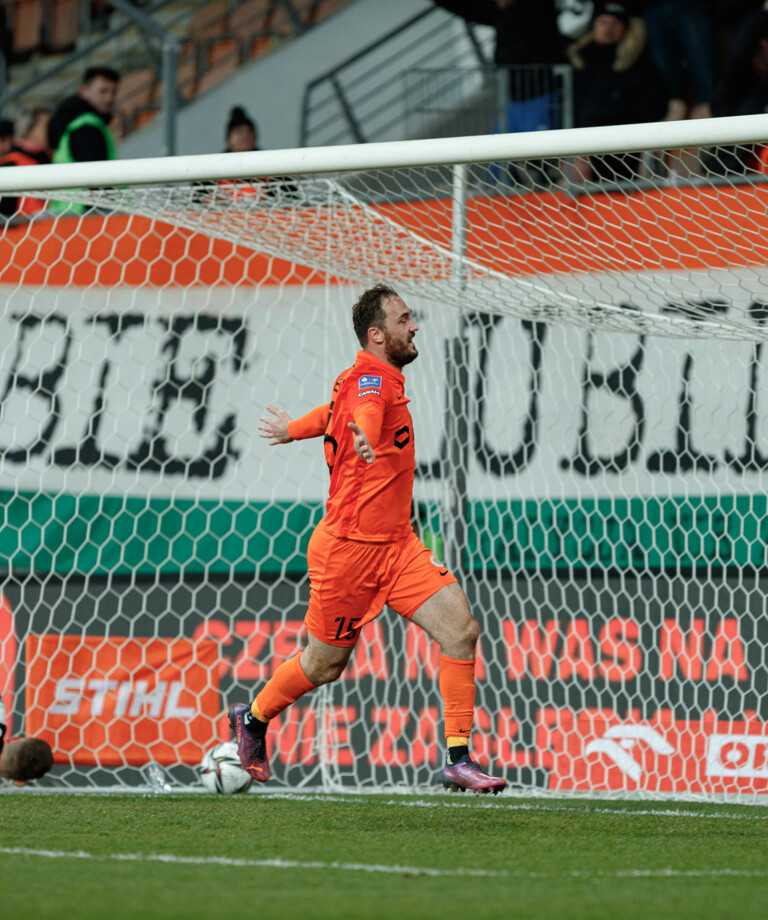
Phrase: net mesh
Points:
(589, 411)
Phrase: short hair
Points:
(369, 310)
(94, 72)
(30, 758)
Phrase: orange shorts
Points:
(350, 582)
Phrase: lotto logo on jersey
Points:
(369, 382)
(113, 701)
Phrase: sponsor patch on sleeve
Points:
(369, 382)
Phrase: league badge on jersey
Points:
(369, 382)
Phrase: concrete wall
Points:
(271, 89)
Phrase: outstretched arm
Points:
(283, 429)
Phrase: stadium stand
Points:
(215, 40)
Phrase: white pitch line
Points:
(587, 809)
(230, 862)
(252, 863)
(500, 804)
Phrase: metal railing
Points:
(460, 101)
(359, 100)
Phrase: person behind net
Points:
(364, 554)
(29, 148)
(242, 136)
(23, 759)
(615, 83)
(743, 90)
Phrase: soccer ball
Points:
(221, 772)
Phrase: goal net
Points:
(591, 415)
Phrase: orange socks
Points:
(287, 684)
(457, 688)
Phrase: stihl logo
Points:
(619, 740)
(737, 755)
(119, 700)
(126, 698)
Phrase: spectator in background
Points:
(744, 86)
(79, 129)
(728, 16)
(6, 136)
(242, 135)
(526, 34)
(574, 17)
(24, 759)
(681, 42)
(615, 83)
(30, 148)
(744, 90)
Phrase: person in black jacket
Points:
(79, 129)
(526, 35)
(744, 86)
(615, 83)
(743, 89)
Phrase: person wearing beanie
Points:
(241, 133)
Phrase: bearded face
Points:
(399, 329)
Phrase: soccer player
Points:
(23, 759)
(364, 554)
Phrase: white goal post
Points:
(591, 416)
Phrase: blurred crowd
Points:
(708, 57)
(633, 61)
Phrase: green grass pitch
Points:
(396, 857)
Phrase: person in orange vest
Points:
(30, 148)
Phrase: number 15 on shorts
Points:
(348, 629)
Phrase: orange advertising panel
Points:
(113, 701)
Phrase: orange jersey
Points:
(370, 502)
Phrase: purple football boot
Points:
(251, 747)
(466, 774)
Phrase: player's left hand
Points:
(363, 447)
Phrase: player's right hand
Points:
(363, 447)
(275, 428)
